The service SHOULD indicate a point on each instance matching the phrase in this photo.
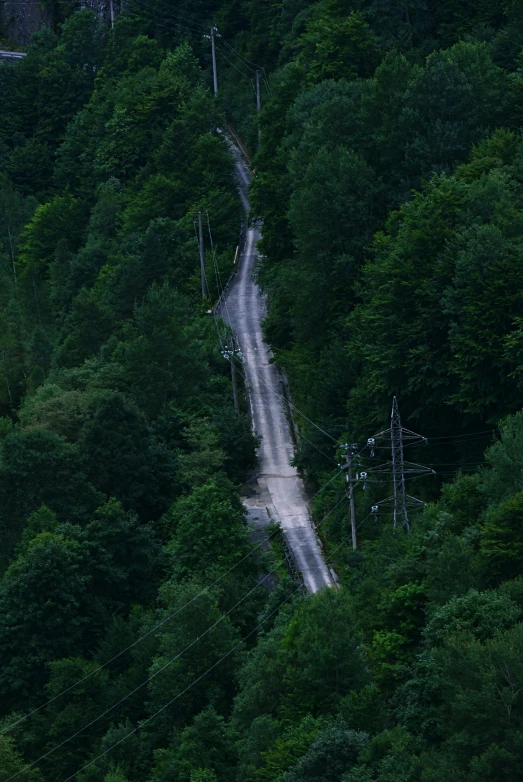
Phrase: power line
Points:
(397, 467)
(458, 438)
(303, 437)
(299, 412)
(159, 624)
(245, 75)
(167, 664)
(219, 284)
(149, 679)
(195, 681)
(287, 401)
(266, 80)
(179, 695)
(283, 399)
(248, 64)
(462, 435)
(171, 26)
(241, 56)
(296, 409)
(154, 11)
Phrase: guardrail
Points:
(236, 141)
(292, 567)
(239, 143)
(5, 55)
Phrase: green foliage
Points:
(504, 474)
(126, 405)
(318, 673)
(42, 520)
(12, 764)
(501, 539)
(209, 636)
(210, 534)
(203, 775)
(163, 334)
(293, 743)
(202, 752)
(441, 341)
(58, 218)
(33, 463)
(41, 593)
(29, 168)
(334, 47)
(115, 776)
(388, 187)
(125, 460)
(482, 614)
(332, 752)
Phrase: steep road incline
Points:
(278, 488)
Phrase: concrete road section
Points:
(279, 489)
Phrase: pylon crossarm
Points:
(415, 500)
(380, 468)
(408, 434)
(384, 433)
(411, 502)
(413, 467)
(388, 502)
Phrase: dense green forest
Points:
(139, 641)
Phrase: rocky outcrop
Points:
(19, 19)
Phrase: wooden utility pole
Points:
(233, 376)
(202, 253)
(11, 245)
(258, 101)
(214, 69)
(349, 455)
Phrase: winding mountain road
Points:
(278, 492)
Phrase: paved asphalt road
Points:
(278, 491)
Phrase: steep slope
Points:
(279, 488)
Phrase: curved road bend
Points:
(278, 487)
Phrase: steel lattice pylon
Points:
(398, 467)
(400, 501)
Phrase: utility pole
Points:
(233, 375)
(214, 70)
(229, 352)
(11, 245)
(258, 101)
(202, 254)
(36, 302)
(111, 8)
(350, 453)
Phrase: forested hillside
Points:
(140, 640)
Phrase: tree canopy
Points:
(145, 635)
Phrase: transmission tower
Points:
(398, 467)
(395, 438)
(400, 502)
